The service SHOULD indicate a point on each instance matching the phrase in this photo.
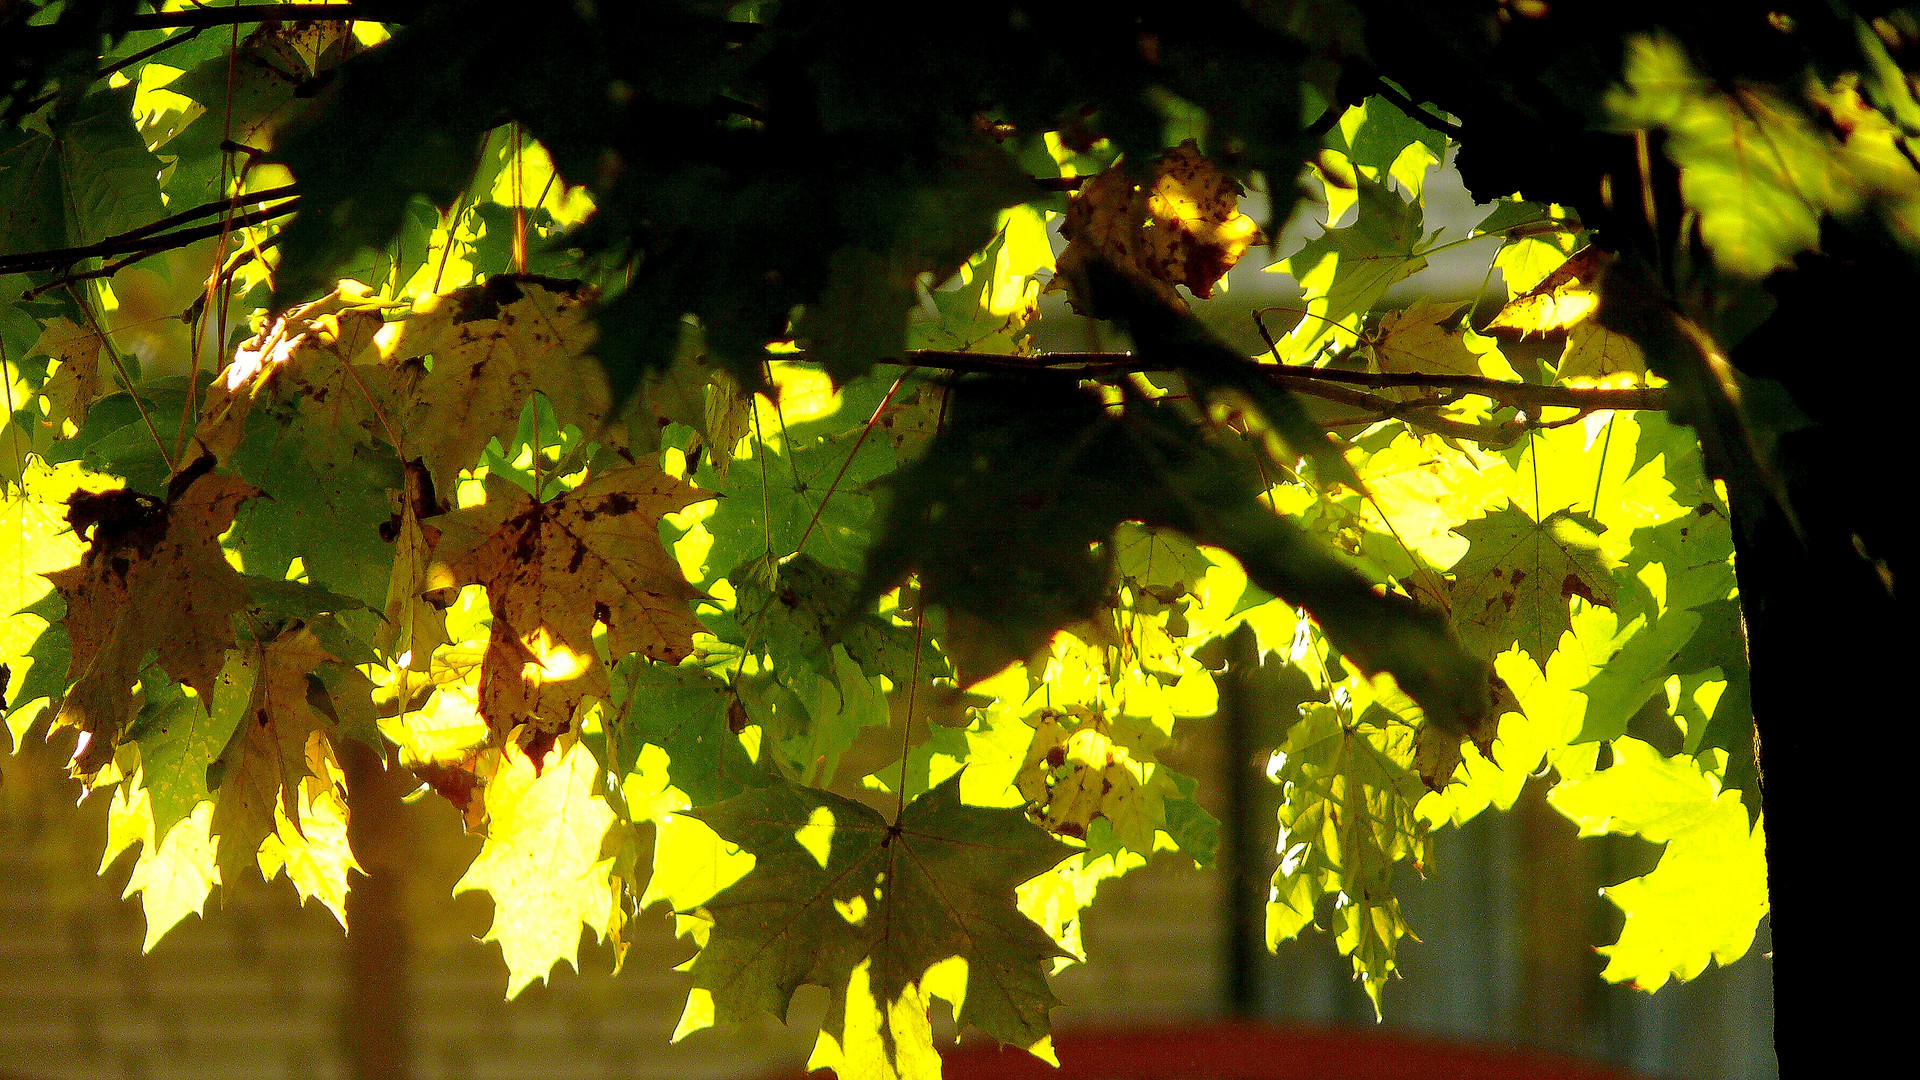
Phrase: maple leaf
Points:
(1345, 271)
(1077, 772)
(75, 384)
(542, 861)
(554, 569)
(1346, 819)
(34, 539)
(1181, 227)
(841, 899)
(1514, 582)
(492, 346)
(1598, 356)
(1708, 893)
(175, 875)
(1562, 300)
(1416, 340)
(180, 734)
(688, 716)
(153, 578)
(265, 691)
(311, 846)
(301, 365)
(414, 626)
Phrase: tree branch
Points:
(150, 239)
(1415, 113)
(249, 13)
(1321, 382)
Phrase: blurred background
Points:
(262, 989)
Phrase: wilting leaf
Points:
(552, 570)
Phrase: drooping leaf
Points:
(180, 736)
(1346, 821)
(174, 876)
(542, 863)
(153, 578)
(1708, 893)
(279, 743)
(841, 899)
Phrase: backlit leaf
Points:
(841, 899)
(542, 862)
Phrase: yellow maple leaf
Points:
(34, 539)
(311, 847)
(554, 569)
(1418, 341)
(75, 383)
(1074, 774)
(1565, 297)
(1596, 356)
(153, 577)
(542, 860)
(175, 876)
(1184, 227)
(492, 346)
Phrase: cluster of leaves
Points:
(863, 665)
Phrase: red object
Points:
(1262, 1052)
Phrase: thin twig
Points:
(1529, 397)
(144, 245)
(250, 13)
(1415, 113)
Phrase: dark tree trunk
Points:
(1826, 638)
(1823, 626)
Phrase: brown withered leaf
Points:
(493, 345)
(414, 626)
(265, 761)
(552, 570)
(153, 578)
(1562, 299)
(1184, 227)
(299, 363)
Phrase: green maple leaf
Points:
(326, 501)
(1515, 581)
(1344, 272)
(797, 608)
(841, 899)
(685, 712)
(811, 715)
(1346, 819)
(771, 502)
(179, 737)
